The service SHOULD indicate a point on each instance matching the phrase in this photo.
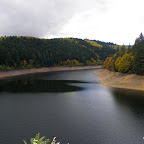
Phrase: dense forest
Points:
(128, 59)
(27, 52)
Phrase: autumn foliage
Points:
(118, 63)
(128, 59)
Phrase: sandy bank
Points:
(121, 80)
(4, 74)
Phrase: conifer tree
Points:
(139, 55)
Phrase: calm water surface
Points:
(73, 106)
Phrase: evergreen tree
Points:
(139, 55)
(27, 52)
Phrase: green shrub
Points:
(7, 68)
(1, 67)
(38, 140)
(41, 140)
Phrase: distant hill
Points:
(27, 52)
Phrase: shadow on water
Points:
(130, 99)
(36, 86)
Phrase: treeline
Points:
(128, 59)
(27, 52)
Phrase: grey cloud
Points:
(40, 17)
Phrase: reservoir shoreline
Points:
(120, 80)
(4, 74)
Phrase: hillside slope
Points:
(34, 52)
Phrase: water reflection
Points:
(130, 99)
(73, 106)
(35, 86)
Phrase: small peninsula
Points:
(121, 80)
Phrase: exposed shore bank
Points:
(4, 74)
(121, 80)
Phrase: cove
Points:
(71, 105)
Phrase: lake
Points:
(71, 105)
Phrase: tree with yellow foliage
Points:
(108, 63)
(125, 63)
(117, 63)
(23, 63)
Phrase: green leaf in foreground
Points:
(38, 140)
(24, 142)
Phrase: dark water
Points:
(73, 106)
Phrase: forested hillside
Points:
(128, 59)
(28, 52)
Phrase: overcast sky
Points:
(118, 21)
